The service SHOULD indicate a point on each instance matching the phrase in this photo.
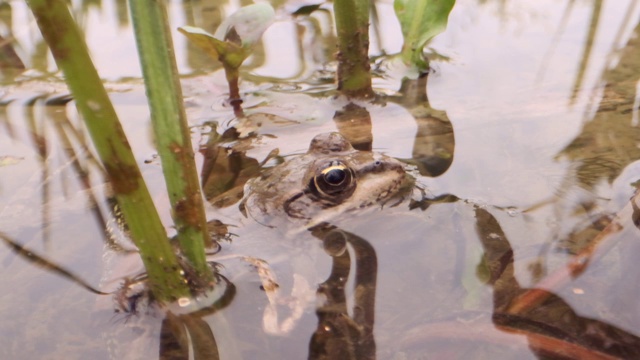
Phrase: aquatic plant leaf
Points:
(246, 26)
(306, 10)
(234, 39)
(228, 53)
(420, 21)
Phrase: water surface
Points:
(530, 130)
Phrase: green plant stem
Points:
(72, 57)
(352, 25)
(155, 48)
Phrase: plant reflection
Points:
(340, 335)
(354, 123)
(434, 144)
(584, 62)
(579, 337)
(189, 335)
(226, 168)
(40, 143)
(41, 115)
(10, 63)
(611, 133)
(205, 15)
(606, 146)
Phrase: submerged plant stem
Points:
(72, 57)
(155, 48)
(352, 25)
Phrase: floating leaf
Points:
(420, 21)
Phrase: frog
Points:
(305, 199)
(331, 179)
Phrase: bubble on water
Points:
(513, 212)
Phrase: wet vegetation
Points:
(518, 238)
(144, 225)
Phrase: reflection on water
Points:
(519, 239)
(342, 332)
(434, 144)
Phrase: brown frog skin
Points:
(330, 179)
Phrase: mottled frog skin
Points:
(330, 179)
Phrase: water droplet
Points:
(94, 105)
(578, 291)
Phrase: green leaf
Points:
(217, 49)
(235, 37)
(420, 21)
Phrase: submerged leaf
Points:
(420, 21)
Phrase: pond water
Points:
(524, 138)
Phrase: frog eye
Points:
(334, 179)
(335, 175)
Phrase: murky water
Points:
(527, 147)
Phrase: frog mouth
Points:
(302, 204)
